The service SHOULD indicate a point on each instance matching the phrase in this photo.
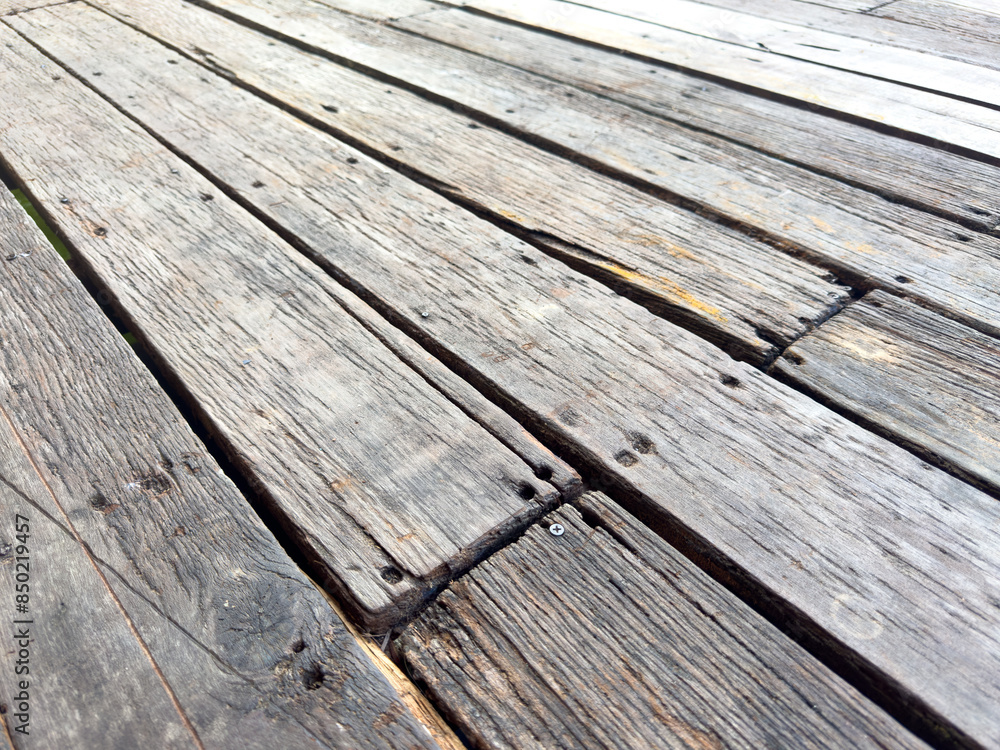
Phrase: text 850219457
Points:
(19, 713)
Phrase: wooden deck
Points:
(500, 374)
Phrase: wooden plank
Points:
(900, 594)
(929, 383)
(866, 240)
(165, 613)
(606, 636)
(909, 110)
(387, 484)
(944, 16)
(745, 295)
(885, 62)
(932, 180)
(387, 10)
(871, 27)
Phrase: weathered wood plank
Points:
(948, 17)
(387, 9)
(868, 240)
(822, 47)
(740, 293)
(871, 27)
(143, 553)
(928, 382)
(605, 636)
(880, 559)
(910, 110)
(933, 180)
(389, 486)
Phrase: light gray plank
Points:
(884, 561)
(867, 240)
(387, 485)
(928, 178)
(922, 113)
(952, 18)
(607, 637)
(742, 294)
(144, 553)
(927, 382)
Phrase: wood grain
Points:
(145, 557)
(607, 637)
(909, 110)
(389, 486)
(872, 27)
(877, 558)
(952, 18)
(927, 382)
(833, 50)
(927, 178)
(742, 294)
(867, 240)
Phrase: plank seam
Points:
(107, 585)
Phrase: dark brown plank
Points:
(766, 474)
(606, 636)
(742, 294)
(925, 381)
(921, 176)
(388, 485)
(145, 557)
(864, 238)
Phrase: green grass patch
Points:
(29, 207)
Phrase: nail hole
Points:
(903, 279)
(526, 491)
(258, 184)
(729, 380)
(625, 458)
(172, 62)
(206, 197)
(510, 111)
(299, 646)
(794, 358)
(544, 473)
(101, 232)
(529, 261)
(641, 443)
(312, 678)
(351, 160)
(473, 126)
(391, 574)
(97, 73)
(330, 108)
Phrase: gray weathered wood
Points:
(740, 293)
(832, 50)
(870, 240)
(143, 553)
(925, 381)
(928, 178)
(886, 562)
(952, 18)
(389, 486)
(872, 27)
(607, 637)
(922, 113)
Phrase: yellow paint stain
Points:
(651, 240)
(511, 215)
(665, 285)
(821, 225)
(862, 247)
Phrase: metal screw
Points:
(425, 314)
(64, 200)
(557, 529)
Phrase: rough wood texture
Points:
(607, 637)
(832, 50)
(143, 552)
(742, 294)
(389, 486)
(888, 563)
(925, 381)
(910, 110)
(867, 239)
(930, 179)
(953, 18)
(873, 28)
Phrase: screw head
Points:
(557, 529)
